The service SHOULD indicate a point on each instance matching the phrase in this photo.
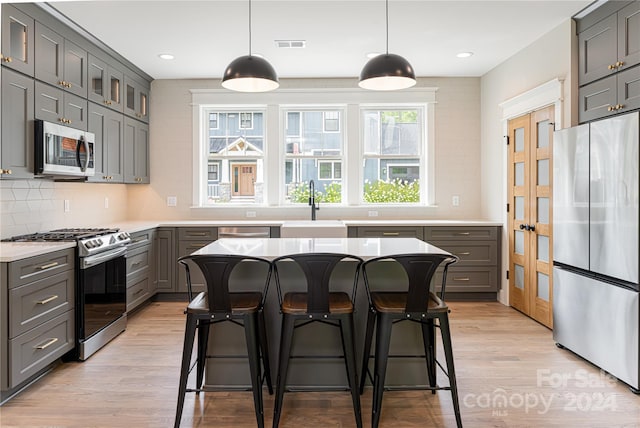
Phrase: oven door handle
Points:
(89, 261)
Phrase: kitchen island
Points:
(318, 372)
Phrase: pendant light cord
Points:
(387, 4)
(249, 27)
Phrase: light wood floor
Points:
(500, 354)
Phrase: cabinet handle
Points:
(611, 67)
(466, 253)
(47, 344)
(611, 108)
(619, 64)
(48, 266)
(619, 106)
(6, 171)
(461, 279)
(463, 233)
(390, 233)
(138, 292)
(7, 59)
(47, 300)
(68, 85)
(198, 234)
(135, 263)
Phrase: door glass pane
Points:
(96, 80)
(543, 134)
(18, 39)
(131, 99)
(519, 173)
(143, 104)
(543, 210)
(543, 248)
(543, 172)
(543, 287)
(519, 279)
(519, 137)
(519, 207)
(519, 242)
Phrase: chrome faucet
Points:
(312, 200)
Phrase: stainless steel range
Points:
(100, 284)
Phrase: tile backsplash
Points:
(28, 206)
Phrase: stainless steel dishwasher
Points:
(244, 232)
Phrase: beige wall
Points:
(457, 154)
(550, 57)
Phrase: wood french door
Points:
(243, 179)
(530, 212)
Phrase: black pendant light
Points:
(387, 72)
(250, 73)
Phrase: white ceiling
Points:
(205, 36)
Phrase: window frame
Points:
(333, 163)
(324, 122)
(350, 100)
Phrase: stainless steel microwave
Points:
(61, 150)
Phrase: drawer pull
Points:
(138, 292)
(466, 253)
(136, 241)
(197, 234)
(48, 266)
(463, 233)
(47, 300)
(390, 233)
(46, 345)
(135, 263)
(461, 279)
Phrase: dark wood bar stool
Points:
(318, 303)
(415, 303)
(218, 305)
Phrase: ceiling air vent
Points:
(291, 43)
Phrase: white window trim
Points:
(273, 102)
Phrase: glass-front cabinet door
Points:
(136, 99)
(18, 31)
(105, 84)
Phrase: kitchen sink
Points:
(313, 229)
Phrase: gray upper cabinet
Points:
(136, 99)
(615, 94)
(105, 84)
(60, 62)
(610, 45)
(16, 159)
(18, 31)
(108, 128)
(55, 105)
(136, 152)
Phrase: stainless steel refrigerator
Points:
(596, 241)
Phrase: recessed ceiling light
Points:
(464, 54)
(166, 56)
(373, 54)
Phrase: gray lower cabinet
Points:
(108, 128)
(37, 306)
(16, 146)
(386, 232)
(165, 259)
(615, 94)
(136, 152)
(191, 239)
(476, 274)
(140, 268)
(57, 106)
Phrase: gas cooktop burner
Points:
(67, 234)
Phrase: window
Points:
(234, 158)
(392, 155)
(331, 121)
(312, 152)
(213, 120)
(246, 120)
(214, 169)
(329, 170)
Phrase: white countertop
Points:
(11, 251)
(366, 248)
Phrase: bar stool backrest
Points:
(217, 270)
(317, 269)
(420, 269)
